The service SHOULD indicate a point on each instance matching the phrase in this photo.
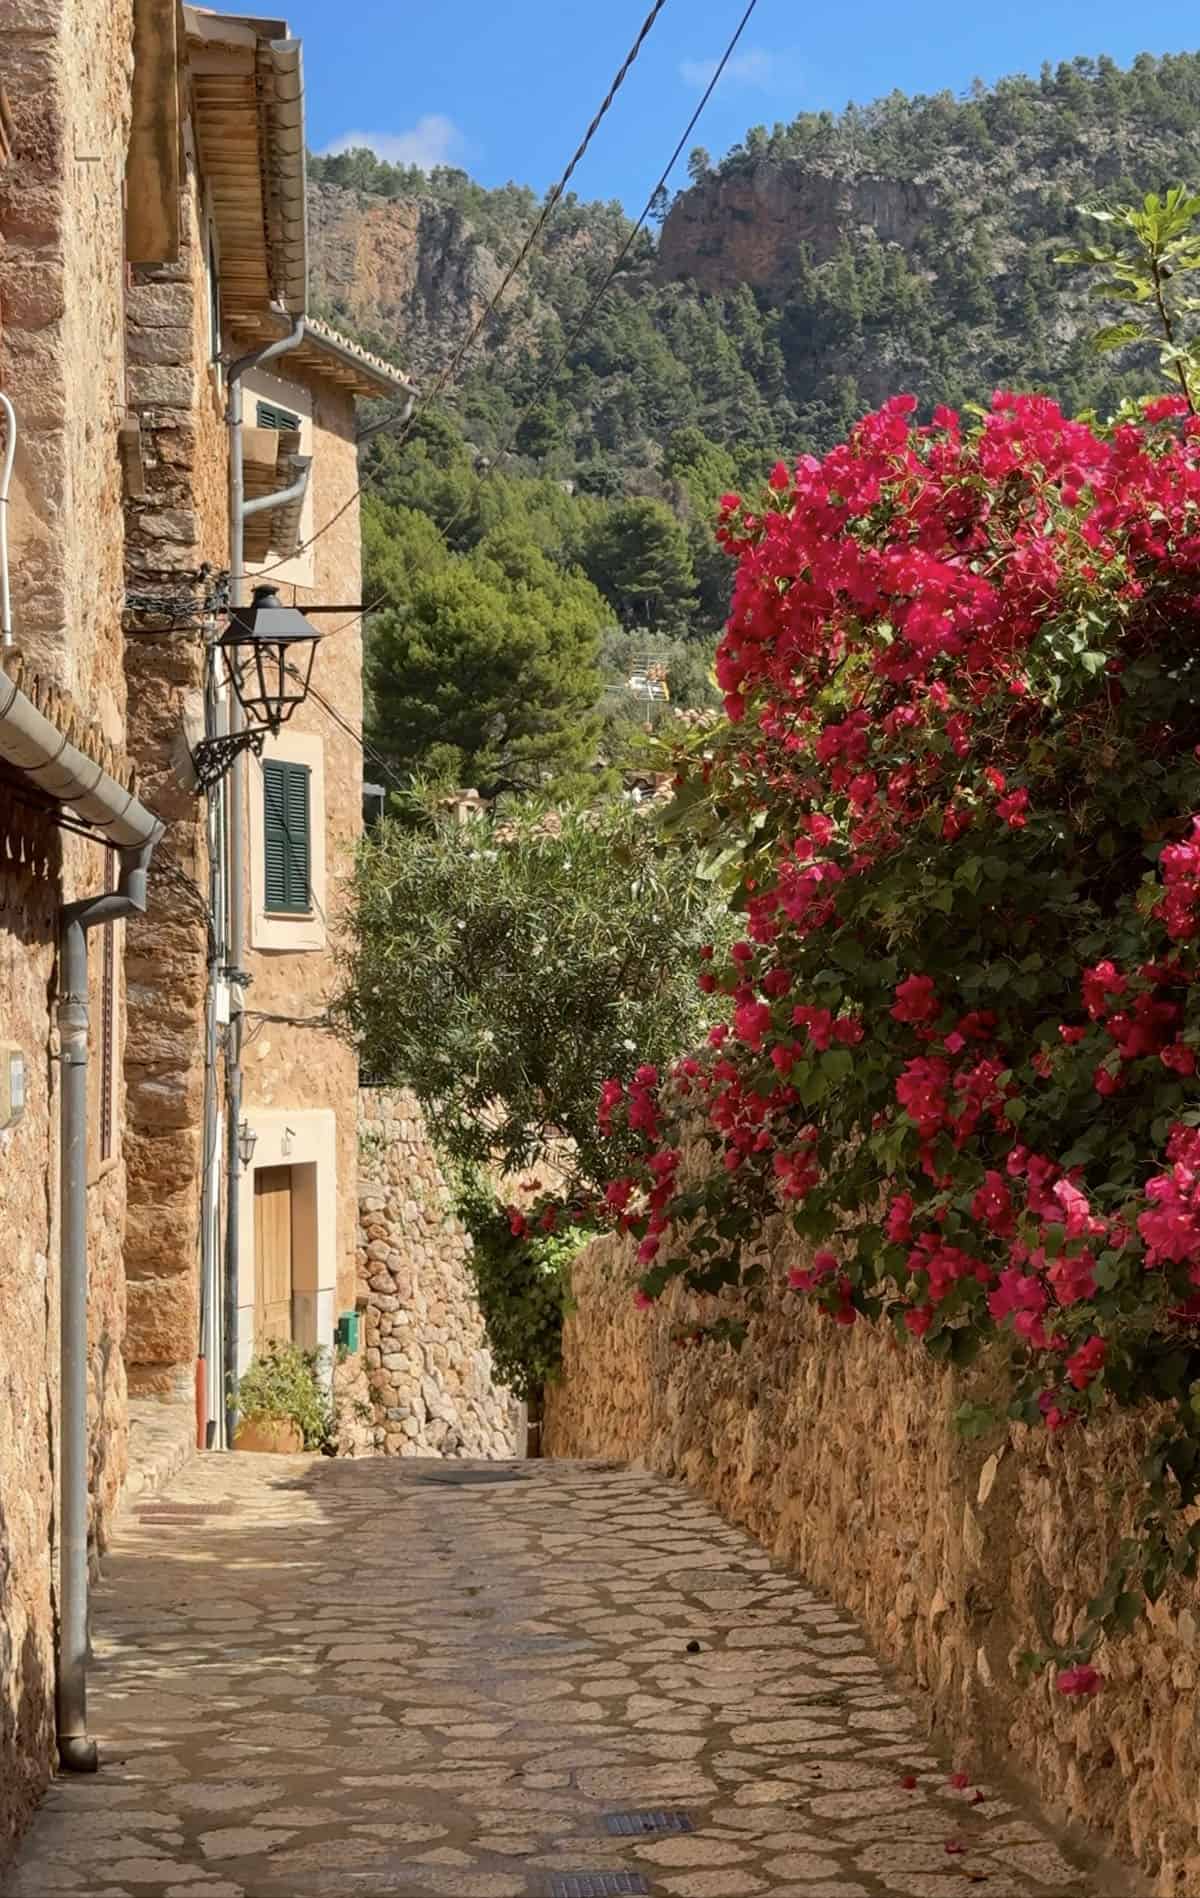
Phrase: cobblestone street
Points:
(505, 1681)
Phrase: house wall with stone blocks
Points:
(65, 66)
(839, 1451)
(429, 1372)
(176, 525)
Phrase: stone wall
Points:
(173, 528)
(429, 1370)
(838, 1450)
(65, 66)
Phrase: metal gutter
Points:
(287, 185)
(68, 776)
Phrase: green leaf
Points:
(1117, 336)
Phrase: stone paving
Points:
(401, 1679)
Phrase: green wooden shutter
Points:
(271, 416)
(287, 837)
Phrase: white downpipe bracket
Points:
(6, 468)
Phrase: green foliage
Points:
(523, 1281)
(636, 554)
(504, 972)
(1147, 269)
(486, 672)
(285, 1385)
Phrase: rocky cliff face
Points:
(749, 228)
(408, 272)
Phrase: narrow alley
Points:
(540, 1680)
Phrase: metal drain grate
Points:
(631, 1825)
(596, 1884)
(454, 1480)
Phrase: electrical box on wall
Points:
(12, 1083)
(346, 1335)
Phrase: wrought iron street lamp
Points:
(270, 650)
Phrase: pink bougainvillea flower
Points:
(1079, 1682)
(1086, 1364)
(916, 999)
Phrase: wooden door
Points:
(272, 1255)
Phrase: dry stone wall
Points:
(839, 1451)
(429, 1371)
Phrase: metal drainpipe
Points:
(76, 1750)
(210, 1411)
(236, 869)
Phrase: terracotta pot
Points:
(278, 1436)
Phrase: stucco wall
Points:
(429, 1371)
(838, 1450)
(291, 1066)
(65, 65)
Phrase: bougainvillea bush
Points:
(957, 796)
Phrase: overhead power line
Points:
(331, 711)
(406, 413)
(614, 268)
(588, 313)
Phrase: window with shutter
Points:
(287, 844)
(270, 415)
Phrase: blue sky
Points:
(505, 87)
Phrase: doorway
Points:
(273, 1257)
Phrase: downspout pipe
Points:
(283, 497)
(236, 880)
(76, 1749)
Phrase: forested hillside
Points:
(818, 266)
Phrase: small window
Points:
(287, 838)
(270, 415)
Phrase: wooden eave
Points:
(327, 357)
(237, 141)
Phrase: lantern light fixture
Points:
(269, 649)
(247, 1141)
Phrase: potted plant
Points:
(283, 1406)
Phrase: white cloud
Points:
(433, 140)
(757, 68)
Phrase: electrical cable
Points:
(406, 414)
(589, 311)
(613, 269)
(580, 325)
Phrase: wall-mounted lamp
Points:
(285, 1145)
(269, 650)
(247, 1141)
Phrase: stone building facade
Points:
(128, 264)
(221, 295)
(65, 67)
